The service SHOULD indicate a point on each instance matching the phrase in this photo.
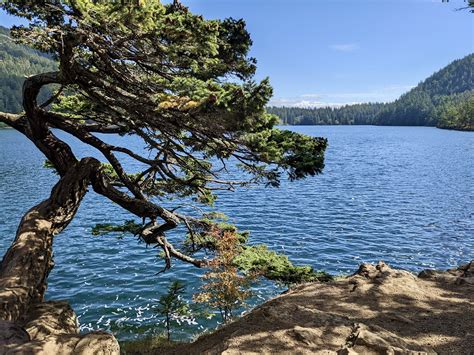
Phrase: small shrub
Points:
(225, 288)
(172, 306)
(277, 267)
(148, 345)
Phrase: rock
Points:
(467, 269)
(440, 276)
(376, 340)
(95, 343)
(52, 328)
(370, 271)
(347, 351)
(11, 335)
(461, 275)
(305, 335)
(465, 280)
(378, 310)
(51, 318)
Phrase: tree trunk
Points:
(51, 327)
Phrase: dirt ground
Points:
(378, 310)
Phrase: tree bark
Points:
(27, 263)
(24, 271)
(27, 324)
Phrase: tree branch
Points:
(106, 149)
(10, 119)
(154, 235)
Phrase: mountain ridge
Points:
(445, 99)
(17, 62)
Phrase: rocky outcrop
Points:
(51, 328)
(378, 310)
(460, 275)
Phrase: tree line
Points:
(425, 105)
(441, 100)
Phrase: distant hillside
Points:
(445, 99)
(419, 105)
(441, 100)
(16, 62)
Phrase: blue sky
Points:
(331, 52)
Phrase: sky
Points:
(334, 52)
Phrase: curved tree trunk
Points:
(51, 327)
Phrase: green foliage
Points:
(359, 114)
(274, 266)
(148, 345)
(300, 155)
(106, 168)
(213, 227)
(186, 83)
(185, 87)
(469, 5)
(418, 107)
(16, 62)
(457, 112)
(253, 260)
(172, 306)
(71, 103)
(48, 165)
(107, 228)
(109, 170)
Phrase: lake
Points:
(404, 195)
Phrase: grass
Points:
(149, 345)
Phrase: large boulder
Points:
(52, 328)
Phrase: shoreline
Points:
(378, 309)
(373, 125)
(348, 125)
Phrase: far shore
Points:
(372, 125)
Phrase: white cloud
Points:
(344, 47)
(315, 100)
(302, 103)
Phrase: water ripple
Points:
(404, 195)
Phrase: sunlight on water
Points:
(401, 194)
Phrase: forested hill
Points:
(445, 99)
(16, 62)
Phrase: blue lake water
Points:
(400, 194)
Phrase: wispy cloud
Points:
(302, 103)
(383, 94)
(344, 47)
